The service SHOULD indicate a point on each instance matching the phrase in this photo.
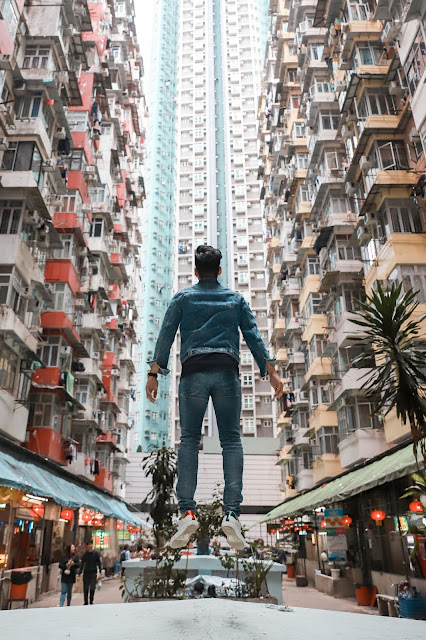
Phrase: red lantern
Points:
(37, 510)
(273, 531)
(67, 514)
(323, 524)
(96, 522)
(129, 528)
(416, 506)
(378, 516)
(346, 520)
(86, 517)
(119, 526)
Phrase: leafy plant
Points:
(228, 563)
(161, 465)
(210, 516)
(418, 489)
(390, 327)
(255, 572)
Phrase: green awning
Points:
(33, 478)
(390, 467)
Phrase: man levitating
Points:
(209, 316)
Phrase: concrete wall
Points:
(384, 582)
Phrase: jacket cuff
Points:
(163, 370)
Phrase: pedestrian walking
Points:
(124, 555)
(209, 316)
(90, 567)
(69, 565)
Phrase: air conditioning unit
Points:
(350, 188)
(3, 144)
(80, 303)
(290, 352)
(297, 315)
(86, 208)
(361, 232)
(257, 399)
(115, 372)
(90, 169)
(395, 88)
(298, 271)
(95, 355)
(345, 27)
(368, 218)
(66, 351)
(340, 85)
(314, 228)
(68, 31)
(365, 163)
(20, 89)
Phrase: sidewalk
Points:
(310, 598)
(108, 594)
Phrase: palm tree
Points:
(398, 379)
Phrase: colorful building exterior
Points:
(342, 133)
(71, 196)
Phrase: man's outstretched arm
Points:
(165, 340)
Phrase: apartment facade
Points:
(153, 424)
(342, 132)
(71, 194)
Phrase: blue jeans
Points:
(224, 388)
(66, 592)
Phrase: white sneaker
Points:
(186, 526)
(231, 527)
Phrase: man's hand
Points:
(275, 380)
(151, 388)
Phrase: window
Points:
(246, 357)
(10, 216)
(12, 290)
(10, 17)
(416, 62)
(392, 155)
(23, 156)
(9, 368)
(329, 121)
(242, 258)
(247, 402)
(153, 436)
(247, 380)
(413, 278)
(302, 160)
(248, 425)
(36, 57)
(154, 415)
(242, 241)
(315, 52)
(266, 399)
(294, 102)
(63, 298)
(198, 225)
(243, 277)
(96, 229)
(267, 423)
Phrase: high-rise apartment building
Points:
(343, 131)
(152, 425)
(71, 193)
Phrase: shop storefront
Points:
(42, 511)
(356, 531)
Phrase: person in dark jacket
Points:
(90, 565)
(69, 564)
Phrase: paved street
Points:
(108, 594)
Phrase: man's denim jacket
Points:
(209, 316)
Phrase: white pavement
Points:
(201, 620)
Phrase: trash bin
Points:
(412, 607)
(19, 579)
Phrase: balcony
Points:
(92, 322)
(279, 328)
(365, 30)
(22, 184)
(13, 329)
(337, 271)
(70, 223)
(320, 368)
(104, 480)
(47, 443)
(400, 249)
(326, 466)
(57, 322)
(295, 357)
(281, 356)
(360, 445)
(344, 329)
(63, 271)
(291, 287)
(395, 431)
(350, 384)
(108, 439)
(321, 417)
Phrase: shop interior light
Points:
(416, 506)
(30, 498)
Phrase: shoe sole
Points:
(234, 540)
(183, 539)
